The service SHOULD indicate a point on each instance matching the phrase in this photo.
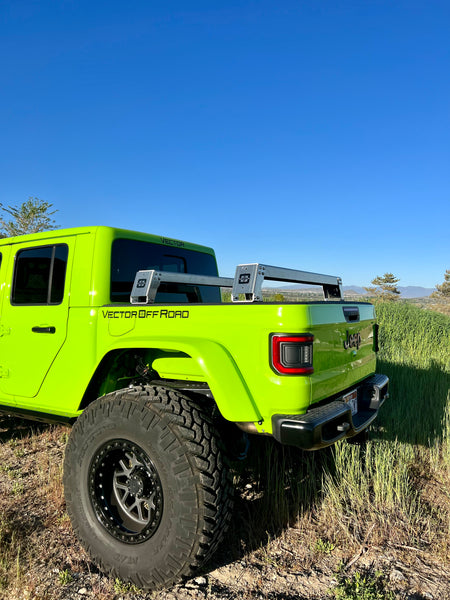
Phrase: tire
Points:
(147, 487)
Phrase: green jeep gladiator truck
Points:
(124, 335)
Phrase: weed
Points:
(362, 587)
(63, 520)
(121, 587)
(65, 577)
(18, 488)
(324, 546)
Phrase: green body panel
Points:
(184, 368)
(225, 345)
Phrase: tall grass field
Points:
(393, 481)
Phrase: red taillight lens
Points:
(292, 354)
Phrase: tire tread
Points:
(195, 432)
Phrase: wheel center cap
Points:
(135, 485)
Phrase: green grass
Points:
(393, 490)
(385, 482)
(411, 335)
(415, 354)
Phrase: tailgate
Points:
(344, 346)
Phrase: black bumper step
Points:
(325, 424)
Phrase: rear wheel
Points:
(146, 484)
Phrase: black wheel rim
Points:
(125, 491)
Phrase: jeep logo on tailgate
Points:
(352, 341)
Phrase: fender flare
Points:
(226, 382)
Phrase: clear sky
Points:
(310, 134)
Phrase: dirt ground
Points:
(41, 559)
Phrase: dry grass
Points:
(286, 539)
(36, 538)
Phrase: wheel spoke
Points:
(125, 470)
(139, 509)
(151, 502)
(133, 460)
(124, 498)
(121, 486)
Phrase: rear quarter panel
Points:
(230, 346)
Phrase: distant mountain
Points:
(414, 291)
(354, 288)
(409, 291)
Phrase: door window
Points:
(39, 275)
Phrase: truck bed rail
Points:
(249, 278)
(246, 284)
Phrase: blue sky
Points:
(307, 134)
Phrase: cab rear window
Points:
(129, 256)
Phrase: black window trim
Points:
(50, 278)
(183, 256)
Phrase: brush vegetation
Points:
(359, 520)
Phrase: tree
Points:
(443, 291)
(31, 216)
(385, 287)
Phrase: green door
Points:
(34, 315)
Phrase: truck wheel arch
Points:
(117, 369)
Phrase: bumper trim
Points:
(325, 424)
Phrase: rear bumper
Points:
(325, 424)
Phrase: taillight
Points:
(292, 354)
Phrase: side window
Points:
(39, 275)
